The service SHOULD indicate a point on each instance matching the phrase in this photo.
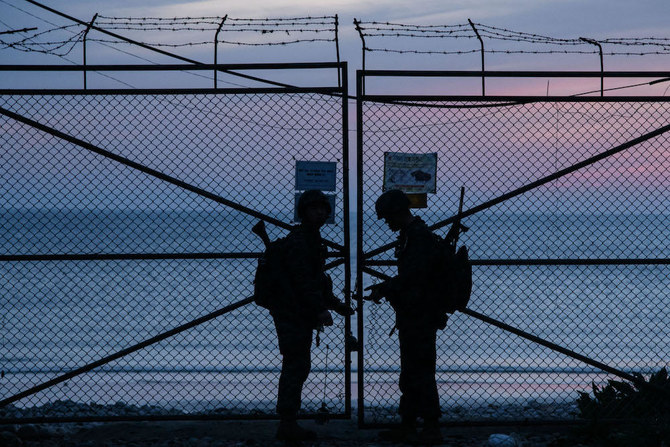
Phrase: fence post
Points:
(344, 88)
(88, 28)
(357, 24)
(216, 43)
(337, 50)
(602, 69)
(481, 43)
(358, 281)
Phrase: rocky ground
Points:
(250, 434)
(334, 433)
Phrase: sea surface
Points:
(59, 315)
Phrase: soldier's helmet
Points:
(391, 202)
(312, 197)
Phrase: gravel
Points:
(252, 433)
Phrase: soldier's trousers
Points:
(295, 343)
(417, 374)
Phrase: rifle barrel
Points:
(260, 231)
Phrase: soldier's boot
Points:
(404, 432)
(429, 435)
(289, 430)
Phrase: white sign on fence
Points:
(315, 175)
(411, 173)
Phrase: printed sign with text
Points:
(411, 173)
(315, 175)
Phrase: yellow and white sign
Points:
(411, 173)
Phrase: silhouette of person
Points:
(302, 310)
(417, 319)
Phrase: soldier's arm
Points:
(331, 301)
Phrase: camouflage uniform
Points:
(417, 321)
(295, 316)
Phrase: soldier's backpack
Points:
(271, 282)
(453, 277)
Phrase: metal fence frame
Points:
(339, 257)
(366, 266)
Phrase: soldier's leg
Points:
(295, 347)
(295, 343)
(407, 407)
(409, 388)
(422, 396)
(427, 357)
(417, 377)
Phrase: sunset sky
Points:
(562, 19)
(559, 19)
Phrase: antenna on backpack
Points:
(260, 231)
(457, 227)
(461, 228)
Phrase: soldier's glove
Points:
(376, 293)
(325, 319)
(342, 309)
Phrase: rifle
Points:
(457, 227)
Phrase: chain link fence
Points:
(99, 256)
(581, 261)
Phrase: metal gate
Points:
(567, 203)
(127, 252)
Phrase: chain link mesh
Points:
(601, 231)
(59, 198)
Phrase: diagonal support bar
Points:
(548, 344)
(535, 184)
(124, 352)
(152, 172)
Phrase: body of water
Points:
(60, 315)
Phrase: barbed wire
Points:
(271, 44)
(64, 57)
(260, 30)
(496, 32)
(382, 31)
(190, 24)
(209, 42)
(275, 32)
(31, 44)
(27, 45)
(384, 25)
(449, 35)
(457, 52)
(115, 48)
(398, 51)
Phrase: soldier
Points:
(417, 320)
(302, 310)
